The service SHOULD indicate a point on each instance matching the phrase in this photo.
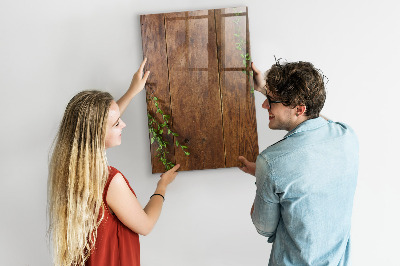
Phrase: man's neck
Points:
(298, 121)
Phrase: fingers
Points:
(255, 69)
(243, 160)
(173, 169)
(262, 90)
(142, 65)
(146, 75)
(244, 169)
(176, 167)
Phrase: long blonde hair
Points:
(78, 171)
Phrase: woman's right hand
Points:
(168, 176)
(259, 82)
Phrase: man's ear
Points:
(300, 110)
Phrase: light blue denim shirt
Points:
(305, 189)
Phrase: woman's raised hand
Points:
(138, 79)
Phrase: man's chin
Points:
(271, 125)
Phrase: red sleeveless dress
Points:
(116, 244)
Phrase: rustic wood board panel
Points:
(153, 43)
(237, 98)
(202, 80)
(195, 94)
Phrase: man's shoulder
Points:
(342, 130)
(277, 150)
(300, 140)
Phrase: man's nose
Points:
(265, 104)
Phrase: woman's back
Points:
(116, 244)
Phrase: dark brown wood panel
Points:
(195, 94)
(154, 48)
(199, 75)
(238, 100)
(250, 142)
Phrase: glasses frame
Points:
(269, 99)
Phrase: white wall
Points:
(49, 50)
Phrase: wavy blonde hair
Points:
(78, 171)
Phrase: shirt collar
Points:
(307, 125)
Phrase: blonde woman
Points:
(95, 217)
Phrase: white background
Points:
(50, 50)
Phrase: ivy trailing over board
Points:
(240, 44)
(156, 130)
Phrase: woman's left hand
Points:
(138, 79)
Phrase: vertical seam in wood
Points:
(169, 85)
(219, 86)
(248, 93)
(142, 18)
(251, 102)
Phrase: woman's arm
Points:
(125, 205)
(137, 85)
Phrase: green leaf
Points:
(177, 143)
(161, 131)
(174, 134)
(183, 147)
(152, 140)
(155, 99)
(186, 153)
(169, 131)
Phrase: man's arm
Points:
(265, 212)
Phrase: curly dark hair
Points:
(298, 83)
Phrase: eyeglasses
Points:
(270, 101)
(264, 91)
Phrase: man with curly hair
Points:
(306, 181)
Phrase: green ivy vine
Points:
(240, 45)
(156, 130)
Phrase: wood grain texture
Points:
(238, 101)
(154, 48)
(195, 96)
(197, 71)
